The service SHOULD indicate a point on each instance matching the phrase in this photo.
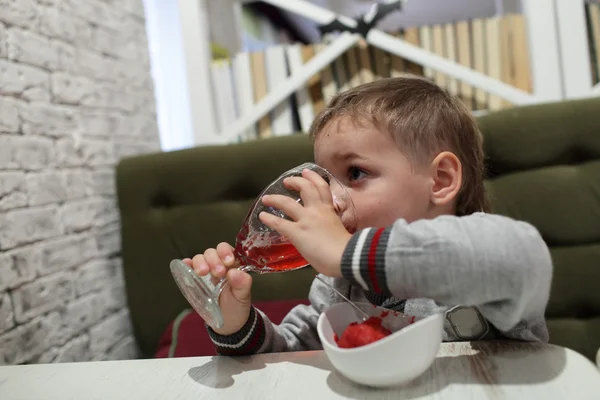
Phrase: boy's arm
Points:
(500, 265)
(297, 331)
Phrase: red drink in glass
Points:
(265, 253)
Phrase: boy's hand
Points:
(315, 230)
(235, 298)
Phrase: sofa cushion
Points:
(186, 336)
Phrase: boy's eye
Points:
(355, 174)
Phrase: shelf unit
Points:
(558, 47)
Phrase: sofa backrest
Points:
(544, 168)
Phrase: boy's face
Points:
(379, 178)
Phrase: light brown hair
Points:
(424, 120)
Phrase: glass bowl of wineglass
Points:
(258, 248)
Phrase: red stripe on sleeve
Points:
(371, 263)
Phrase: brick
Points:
(100, 123)
(105, 97)
(12, 190)
(70, 89)
(137, 100)
(69, 153)
(94, 65)
(79, 215)
(46, 187)
(108, 240)
(31, 48)
(18, 266)
(26, 153)
(26, 81)
(89, 152)
(139, 125)
(126, 349)
(95, 11)
(42, 295)
(129, 149)
(108, 42)
(31, 339)
(135, 7)
(48, 119)
(108, 213)
(80, 183)
(109, 332)
(133, 28)
(119, 265)
(135, 41)
(7, 317)
(21, 13)
(66, 53)
(103, 182)
(9, 115)
(65, 25)
(76, 350)
(95, 275)
(46, 357)
(113, 299)
(84, 312)
(115, 97)
(24, 226)
(65, 252)
(3, 44)
(133, 73)
(143, 101)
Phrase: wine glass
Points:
(258, 248)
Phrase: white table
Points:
(503, 370)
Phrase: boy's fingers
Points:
(225, 252)
(286, 204)
(217, 268)
(280, 225)
(240, 283)
(308, 192)
(188, 262)
(322, 186)
(199, 265)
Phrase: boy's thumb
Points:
(240, 283)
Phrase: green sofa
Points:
(543, 167)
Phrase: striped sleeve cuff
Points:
(363, 261)
(246, 341)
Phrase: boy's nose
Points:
(340, 197)
(337, 207)
(343, 205)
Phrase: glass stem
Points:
(223, 282)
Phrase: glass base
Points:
(200, 292)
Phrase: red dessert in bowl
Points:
(389, 348)
(362, 333)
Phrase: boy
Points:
(411, 159)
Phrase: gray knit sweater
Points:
(488, 274)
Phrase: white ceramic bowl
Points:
(398, 358)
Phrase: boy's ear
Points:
(446, 171)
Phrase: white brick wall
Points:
(76, 95)
(9, 115)
(25, 81)
(3, 43)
